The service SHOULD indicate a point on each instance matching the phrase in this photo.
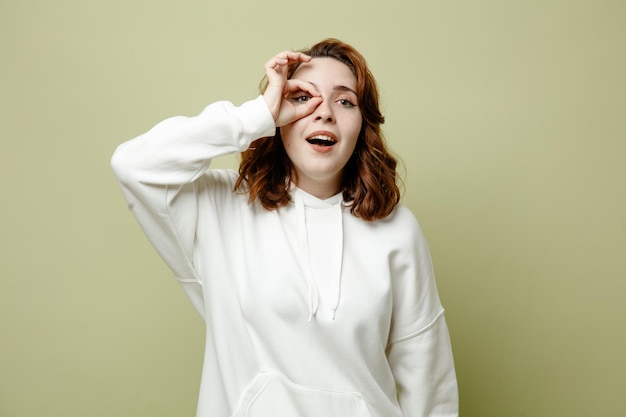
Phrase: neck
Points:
(321, 190)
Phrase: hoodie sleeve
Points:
(160, 171)
(419, 349)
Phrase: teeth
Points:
(321, 140)
(322, 137)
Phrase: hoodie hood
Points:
(320, 248)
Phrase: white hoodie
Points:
(309, 310)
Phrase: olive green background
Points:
(509, 117)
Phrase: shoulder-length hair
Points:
(369, 182)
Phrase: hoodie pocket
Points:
(271, 394)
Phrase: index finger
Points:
(297, 56)
(286, 57)
(295, 84)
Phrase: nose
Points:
(324, 113)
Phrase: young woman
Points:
(315, 284)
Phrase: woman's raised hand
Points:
(288, 99)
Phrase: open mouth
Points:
(321, 140)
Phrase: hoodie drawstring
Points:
(304, 248)
(337, 273)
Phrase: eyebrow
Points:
(338, 88)
(344, 88)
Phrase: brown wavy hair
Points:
(369, 182)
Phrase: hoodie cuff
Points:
(257, 120)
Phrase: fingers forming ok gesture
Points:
(288, 99)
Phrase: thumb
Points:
(289, 112)
(307, 108)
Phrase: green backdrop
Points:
(508, 115)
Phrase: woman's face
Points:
(320, 144)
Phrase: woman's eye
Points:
(301, 99)
(346, 103)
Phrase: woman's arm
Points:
(423, 367)
(179, 150)
(159, 173)
(419, 350)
